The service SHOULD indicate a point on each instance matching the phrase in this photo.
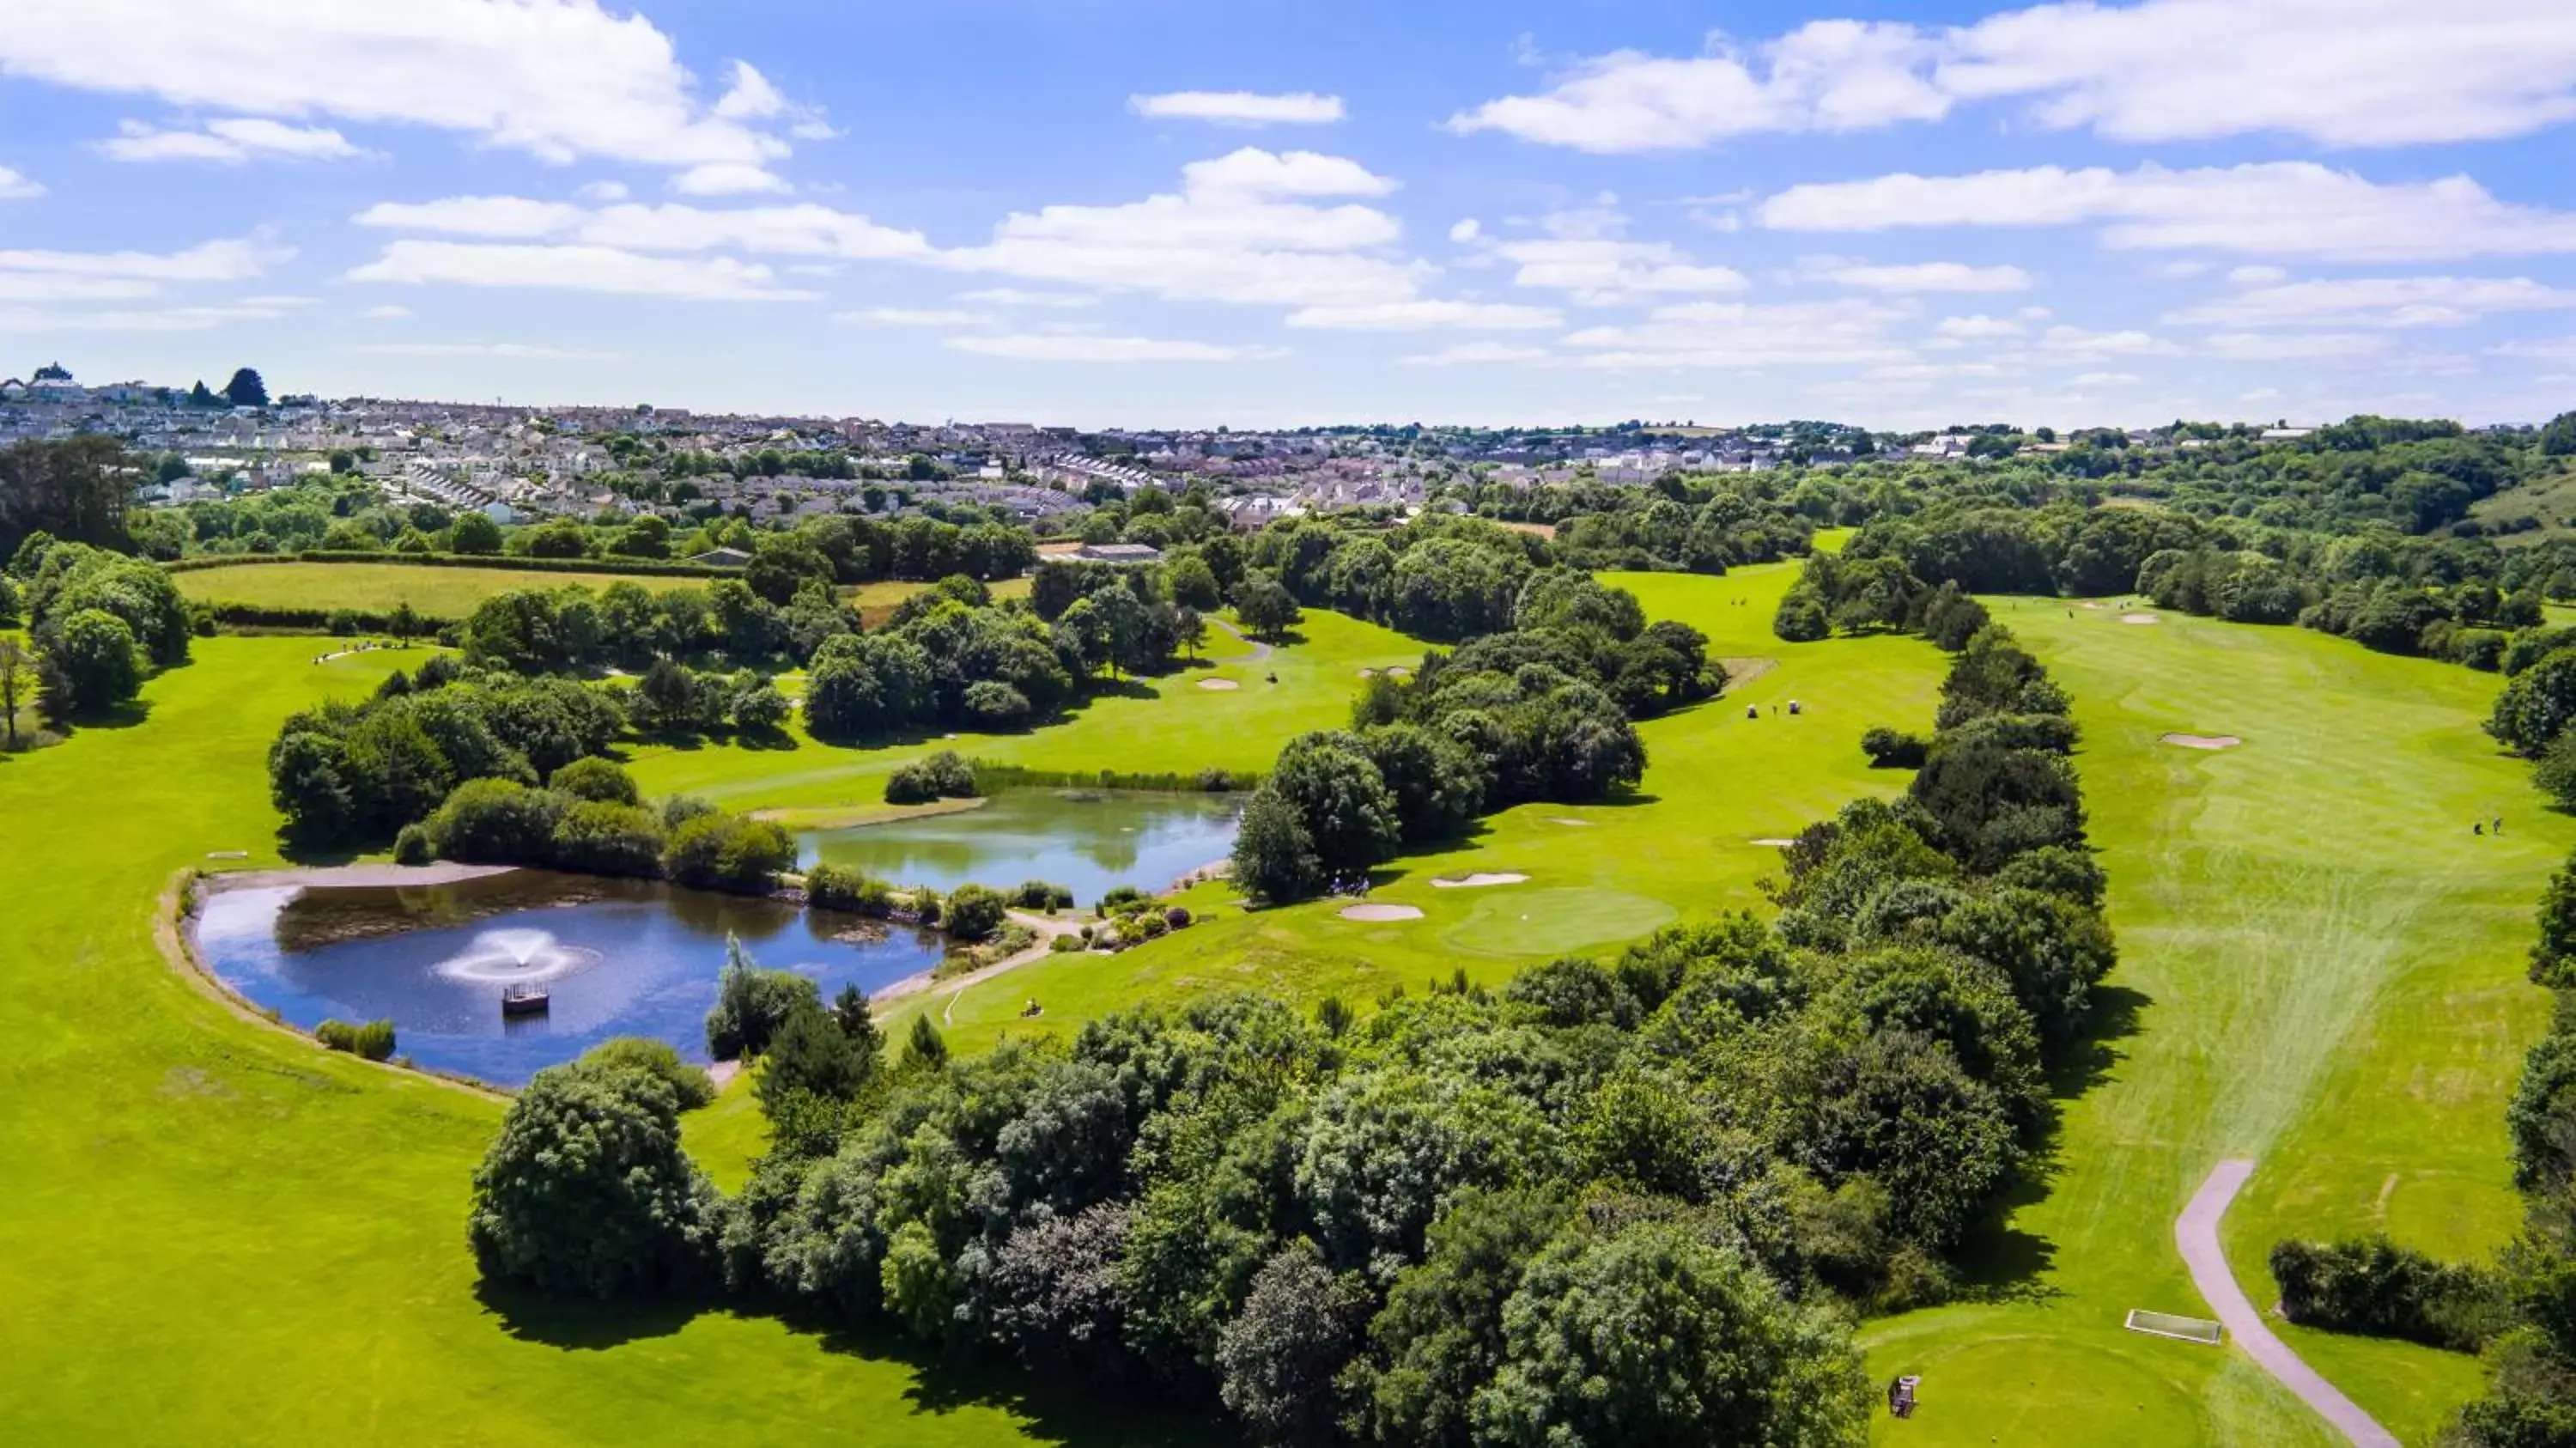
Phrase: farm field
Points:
(2325, 973)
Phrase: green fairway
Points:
(218, 1234)
(1599, 875)
(2325, 969)
(377, 587)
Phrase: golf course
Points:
(219, 1232)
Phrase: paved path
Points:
(2196, 1233)
(1260, 650)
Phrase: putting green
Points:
(1546, 922)
(2045, 1389)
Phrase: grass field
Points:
(2325, 971)
(453, 592)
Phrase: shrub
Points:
(1067, 944)
(1893, 749)
(412, 846)
(975, 912)
(374, 1040)
(759, 708)
(497, 822)
(719, 851)
(1040, 895)
(1177, 917)
(941, 776)
(587, 1190)
(994, 704)
(606, 838)
(2375, 1287)
(840, 887)
(689, 1084)
(593, 778)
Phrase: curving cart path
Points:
(2196, 1233)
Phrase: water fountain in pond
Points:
(516, 957)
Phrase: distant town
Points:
(520, 463)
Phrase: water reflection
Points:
(1085, 840)
(618, 957)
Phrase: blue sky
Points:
(1116, 211)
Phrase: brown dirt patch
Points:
(1740, 672)
(2203, 741)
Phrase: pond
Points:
(1084, 840)
(618, 957)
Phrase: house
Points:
(1118, 553)
(722, 558)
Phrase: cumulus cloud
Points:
(1054, 347)
(2336, 72)
(16, 187)
(1475, 354)
(2283, 208)
(1930, 276)
(1427, 313)
(1022, 297)
(577, 268)
(231, 142)
(558, 79)
(1980, 328)
(2431, 301)
(728, 178)
(188, 318)
(915, 317)
(1748, 335)
(1255, 172)
(1240, 108)
(231, 260)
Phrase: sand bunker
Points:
(1219, 684)
(1775, 844)
(1381, 912)
(2203, 741)
(1368, 673)
(1562, 820)
(2140, 618)
(1479, 881)
(1399, 672)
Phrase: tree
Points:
(474, 533)
(2537, 704)
(91, 663)
(1349, 813)
(752, 1004)
(1193, 584)
(811, 1053)
(246, 390)
(1266, 606)
(17, 683)
(2558, 439)
(587, 1190)
(1440, 1336)
(1277, 1358)
(974, 912)
(1654, 1336)
(1274, 857)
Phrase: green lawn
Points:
(2325, 968)
(216, 1234)
(378, 587)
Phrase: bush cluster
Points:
(373, 1041)
(941, 776)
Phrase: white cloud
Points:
(2537, 349)
(1080, 348)
(60, 287)
(1240, 108)
(1466, 231)
(156, 319)
(231, 142)
(1252, 171)
(1744, 335)
(504, 351)
(559, 79)
(2377, 302)
(575, 268)
(16, 187)
(1930, 276)
(2292, 346)
(2106, 379)
(1471, 354)
(386, 313)
(729, 178)
(915, 317)
(2336, 72)
(1020, 297)
(2083, 342)
(2258, 276)
(1832, 75)
(1980, 328)
(800, 230)
(1424, 314)
(485, 216)
(2282, 208)
(603, 191)
(214, 261)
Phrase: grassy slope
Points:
(214, 1233)
(2326, 972)
(1715, 783)
(376, 587)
